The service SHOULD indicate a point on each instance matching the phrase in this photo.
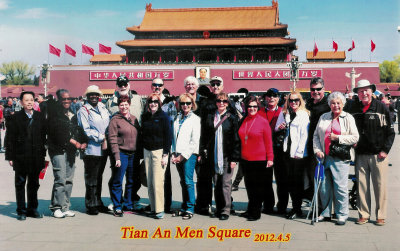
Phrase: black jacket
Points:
(316, 110)
(61, 130)
(25, 145)
(156, 131)
(376, 131)
(231, 141)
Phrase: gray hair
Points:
(336, 95)
(190, 79)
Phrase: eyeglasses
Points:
(157, 85)
(272, 95)
(65, 99)
(222, 101)
(153, 101)
(122, 84)
(185, 103)
(252, 106)
(316, 89)
(215, 84)
(294, 100)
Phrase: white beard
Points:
(126, 92)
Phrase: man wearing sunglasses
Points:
(122, 87)
(317, 105)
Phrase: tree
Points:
(17, 73)
(390, 70)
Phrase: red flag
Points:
(334, 46)
(104, 49)
(372, 46)
(87, 50)
(352, 46)
(70, 51)
(315, 51)
(54, 50)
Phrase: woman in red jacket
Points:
(257, 155)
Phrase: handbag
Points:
(338, 150)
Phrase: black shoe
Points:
(34, 214)
(147, 208)
(92, 211)
(244, 214)
(118, 213)
(21, 217)
(293, 214)
(215, 215)
(203, 211)
(268, 211)
(235, 188)
(103, 209)
(252, 218)
(224, 217)
(281, 212)
(168, 211)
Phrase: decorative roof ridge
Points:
(274, 6)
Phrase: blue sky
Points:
(27, 27)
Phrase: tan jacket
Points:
(348, 131)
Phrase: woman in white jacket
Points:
(335, 126)
(185, 148)
(294, 118)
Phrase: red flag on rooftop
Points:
(334, 46)
(54, 50)
(372, 46)
(87, 50)
(70, 51)
(104, 49)
(315, 51)
(352, 46)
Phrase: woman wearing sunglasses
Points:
(156, 135)
(295, 118)
(256, 156)
(222, 146)
(185, 148)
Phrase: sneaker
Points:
(111, 207)
(341, 222)
(69, 213)
(362, 221)
(159, 216)
(380, 222)
(118, 213)
(58, 214)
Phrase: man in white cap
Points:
(376, 139)
(136, 108)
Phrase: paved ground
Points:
(103, 232)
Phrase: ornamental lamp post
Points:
(294, 66)
(45, 67)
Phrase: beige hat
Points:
(364, 83)
(93, 89)
(217, 79)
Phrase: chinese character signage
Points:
(131, 75)
(275, 74)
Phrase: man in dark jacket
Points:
(317, 105)
(25, 151)
(376, 139)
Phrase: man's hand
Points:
(11, 163)
(382, 155)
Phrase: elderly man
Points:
(203, 80)
(317, 105)
(376, 139)
(191, 85)
(123, 88)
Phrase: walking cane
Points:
(318, 176)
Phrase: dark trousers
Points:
(239, 177)
(295, 182)
(255, 175)
(135, 176)
(94, 168)
(204, 186)
(32, 187)
(223, 189)
(281, 173)
(269, 197)
(167, 187)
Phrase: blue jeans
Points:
(186, 172)
(335, 187)
(117, 177)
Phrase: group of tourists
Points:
(210, 136)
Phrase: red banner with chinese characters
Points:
(275, 74)
(131, 75)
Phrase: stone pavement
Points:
(103, 232)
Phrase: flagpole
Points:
(48, 56)
(81, 54)
(370, 52)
